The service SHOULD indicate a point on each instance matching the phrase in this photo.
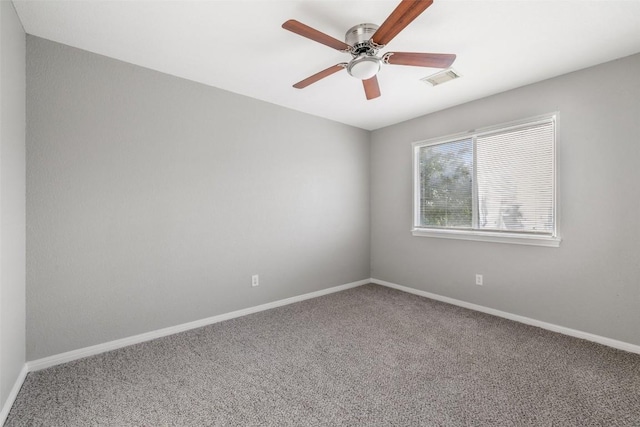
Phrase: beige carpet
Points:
(369, 356)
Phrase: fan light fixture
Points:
(363, 42)
(364, 67)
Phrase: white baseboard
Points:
(621, 345)
(69, 356)
(13, 394)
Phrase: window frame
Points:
(521, 238)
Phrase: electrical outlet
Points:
(255, 280)
(479, 279)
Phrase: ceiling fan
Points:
(363, 41)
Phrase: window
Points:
(495, 184)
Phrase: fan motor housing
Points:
(359, 37)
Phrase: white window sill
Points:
(486, 236)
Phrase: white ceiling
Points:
(240, 46)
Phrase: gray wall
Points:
(592, 282)
(12, 203)
(151, 200)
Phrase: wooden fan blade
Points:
(313, 34)
(433, 60)
(317, 76)
(371, 88)
(404, 13)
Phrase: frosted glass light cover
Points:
(364, 67)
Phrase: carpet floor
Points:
(368, 356)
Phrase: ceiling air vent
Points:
(441, 77)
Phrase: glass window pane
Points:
(446, 190)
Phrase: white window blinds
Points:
(515, 179)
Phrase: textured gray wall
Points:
(12, 203)
(592, 282)
(151, 200)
